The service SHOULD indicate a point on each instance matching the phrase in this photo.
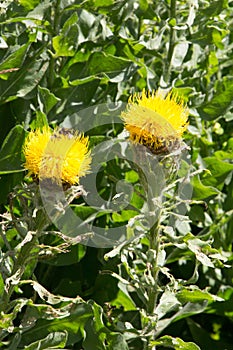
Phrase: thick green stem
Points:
(154, 247)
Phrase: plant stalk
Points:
(56, 21)
(172, 37)
(153, 289)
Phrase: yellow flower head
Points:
(155, 121)
(58, 155)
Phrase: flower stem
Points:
(154, 244)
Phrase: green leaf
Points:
(167, 303)
(215, 8)
(221, 101)
(74, 255)
(66, 43)
(195, 295)
(40, 10)
(97, 334)
(188, 310)
(202, 336)
(40, 121)
(103, 3)
(55, 340)
(47, 100)
(10, 153)
(131, 176)
(201, 191)
(117, 342)
(124, 215)
(29, 4)
(219, 171)
(24, 81)
(14, 60)
(101, 62)
(197, 246)
(73, 323)
(123, 298)
(174, 343)
(95, 330)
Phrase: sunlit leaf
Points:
(219, 170)
(195, 295)
(201, 191)
(14, 60)
(65, 44)
(174, 343)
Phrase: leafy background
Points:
(60, 57)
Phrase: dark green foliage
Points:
(59, 59)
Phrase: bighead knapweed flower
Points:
(155, 121)
(59, 155)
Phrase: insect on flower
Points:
(57, 155)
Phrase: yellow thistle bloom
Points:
(155, 121)
(58, 155)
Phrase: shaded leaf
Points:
(14, 60)
(221, 101)
(47, 100)
(188, 310)
(55, 340)
(73, 324)
(10, 153)
(24, 81)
